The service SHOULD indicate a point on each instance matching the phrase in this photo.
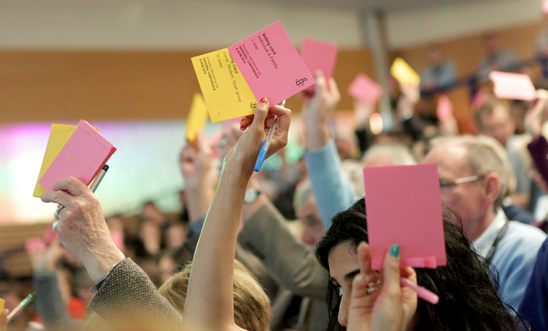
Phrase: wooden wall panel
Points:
(108, 85)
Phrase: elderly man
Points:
(474, 179)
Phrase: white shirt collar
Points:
(485, 241)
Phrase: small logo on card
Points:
(300, 82)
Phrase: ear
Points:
(492, 187)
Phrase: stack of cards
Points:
(265, 64)
(73, 152)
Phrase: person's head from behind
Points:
(385, 155)
(151, 211)
(494, 119)
(307, 212)
(468, 300)
(251, 304)
(475, 178)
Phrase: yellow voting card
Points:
(58, 137)
(403, 73)
(1, 312)
(225, 91)
(197, 117)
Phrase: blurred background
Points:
(124, 66)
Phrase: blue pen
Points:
(266, 143)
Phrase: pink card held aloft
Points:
(403, 206)
(445, 108)
(545, 7)
(512, 86)
(319, 55)
(365, 89)
(271, 65)
(84, 154)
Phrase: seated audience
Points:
(496, 58)
(474, 181)
(440, 72)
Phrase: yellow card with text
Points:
(225, 91)
(403, 73)
(1, 312)
(58, 137)
(197, 117)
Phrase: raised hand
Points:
(393, 308)
(81, 227)
(196, 164)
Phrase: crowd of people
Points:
(287, 249)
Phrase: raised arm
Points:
(209, 304)
(332, 190)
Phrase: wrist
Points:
(100, 265)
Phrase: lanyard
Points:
(499, 237)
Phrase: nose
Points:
(307, 238)
(343, 312)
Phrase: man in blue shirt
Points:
(475, 177)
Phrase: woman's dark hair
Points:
(466, 286)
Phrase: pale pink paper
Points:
(365, 89)
(34, 245)
(273, 68)
(319, 55)
(445, 108)
(512, 86)
(84, 154)
(404, 207)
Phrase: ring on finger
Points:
(57, 211)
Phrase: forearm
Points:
(49, 303)
(316, 133)
(198, 201)
(209, 303)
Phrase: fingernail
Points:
(243, 119)
(55, 224)
(264, 100)
(359, 277)
(395, 251)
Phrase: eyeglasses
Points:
(447, 183)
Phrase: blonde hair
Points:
(251, 304)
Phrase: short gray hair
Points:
(398, 153)
(485, 154)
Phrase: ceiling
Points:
(385, 5)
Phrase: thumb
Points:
(391, 278)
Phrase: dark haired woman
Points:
(468, 300)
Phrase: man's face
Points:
(467, 199)
(313, 229)
(498, 125)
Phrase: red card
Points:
(271, 65)
(404, 207)
(445, 108)
(512, 86)
(319, 55)
(365, 89)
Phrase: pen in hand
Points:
(267, 141)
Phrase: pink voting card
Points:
(84, 154)
(319, 55)
(403, 206)
(365, 89)
(445, 108)
(512, 86)
(271, 65)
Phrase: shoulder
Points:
(522, 239)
